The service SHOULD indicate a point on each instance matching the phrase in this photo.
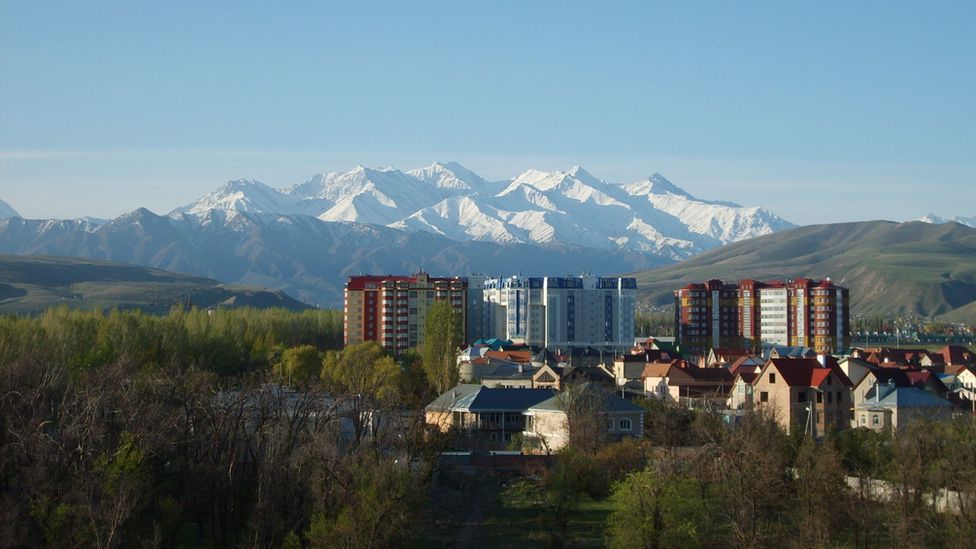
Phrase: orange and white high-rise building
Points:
(799, 312)
(393, 309)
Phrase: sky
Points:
(821, 112)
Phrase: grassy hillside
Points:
(29, 284)
(890, 268)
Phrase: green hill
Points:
(29, 284)
(891, 268)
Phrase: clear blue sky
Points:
(825, 111)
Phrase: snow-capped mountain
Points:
(551, 209)
(936, 220)
(6, 211)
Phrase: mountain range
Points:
(892, 269)
(561, 208)
(307, 238)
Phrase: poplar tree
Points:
(442, 339)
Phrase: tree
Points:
(585, 405)
(651, 509)
(443, 336)
(820, 490)
(300, 363)
(751, 468)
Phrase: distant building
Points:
(798, 313)
(561, 312)
(393, 309)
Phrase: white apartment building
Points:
(561, 312)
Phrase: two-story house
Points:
(803, 393)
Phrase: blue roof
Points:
(497, 399)
(905, 397)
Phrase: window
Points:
(801, 396)
(763, 396)
(772, 377)
(864, 419)
(625, 424)
(875, 420)
(609, 425)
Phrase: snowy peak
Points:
(7, 211)
(451, 176)
(241, 195)
(557, 208)
(938, 220)
(657, 184)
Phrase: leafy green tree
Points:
(300, 363)
(652, 510)
(443, 336)
(363, 369)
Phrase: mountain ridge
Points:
(30, 284)
(911, 268)
(570, 207)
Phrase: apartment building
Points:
(393, 309)
(561, 312)
(798, 313)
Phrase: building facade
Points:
(393, 309)
(799, 313)
(561, 312)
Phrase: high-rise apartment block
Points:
(393, 309)
(800, 312)
(561, 312)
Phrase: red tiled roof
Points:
(520, 357)
(806, 372)
(957, 354)
(748, 377)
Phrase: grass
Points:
(521, 518)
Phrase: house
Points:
(547, 425)
(656, 380)
(740, 397)
(925, 380)
(627, 369)
(725, 356)
(508, 375)
(483, 418)
(557, 377)
(786, 351)
(957, 355)
(803, 393)
(752, 363)
(690, 385)
(888, 407)
(963, 381)
(855, 368)
(548, 377)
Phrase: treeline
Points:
(755, 486)
(223, 341)
(224, 429)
